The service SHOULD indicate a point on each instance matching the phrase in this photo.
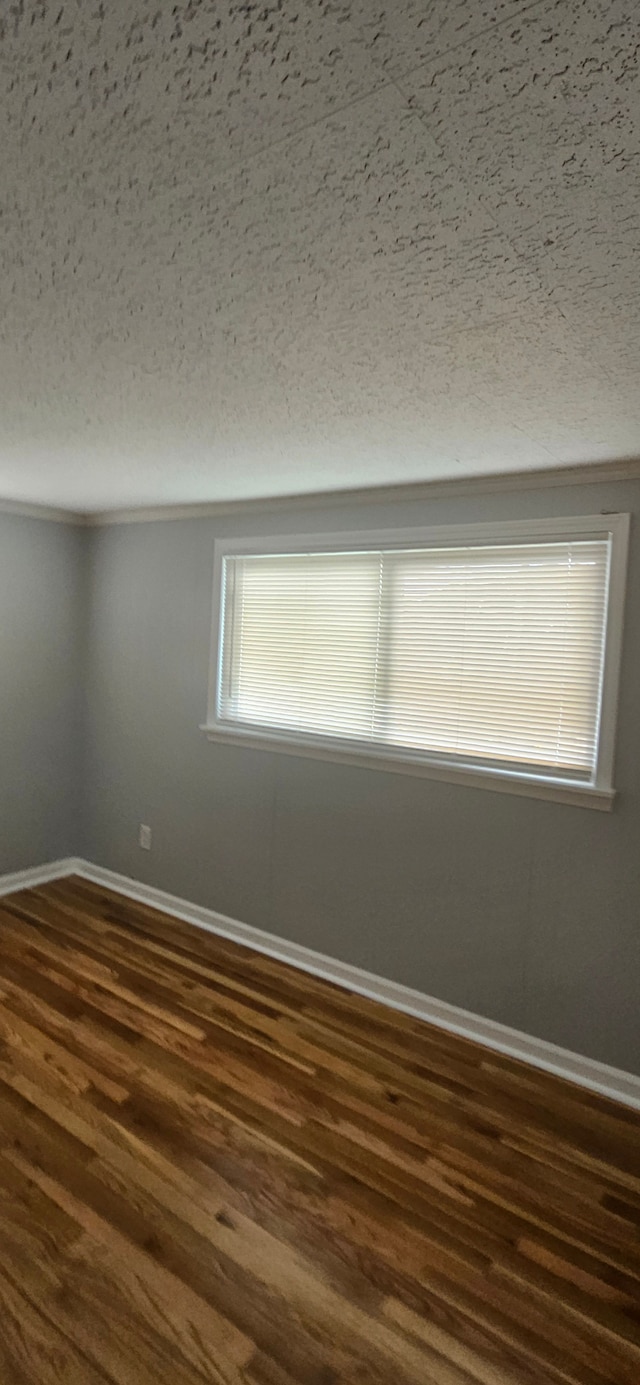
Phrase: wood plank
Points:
(216, 1168)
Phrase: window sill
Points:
(394, 762)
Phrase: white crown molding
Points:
(587, 474)
(48, 512)
(585, 1072)
(592, 473)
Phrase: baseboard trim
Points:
(39, 875)
(573, 1067)
(586, 1072)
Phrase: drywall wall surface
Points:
(42, 632)
(521, 910)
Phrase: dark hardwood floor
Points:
(214, 1168)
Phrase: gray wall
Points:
(42, 628)
(522, 910)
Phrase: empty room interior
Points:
(319, 692)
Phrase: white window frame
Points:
(596, 793)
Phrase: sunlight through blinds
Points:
(488, 654)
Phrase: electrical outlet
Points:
(144, 837)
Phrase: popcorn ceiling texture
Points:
(251, 249)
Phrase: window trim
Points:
(597, 793)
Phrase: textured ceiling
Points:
(250, 249)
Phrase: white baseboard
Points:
(586, 1072)
(39, 875)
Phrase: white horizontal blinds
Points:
(496, 653)
(489, 654)
(300, 642)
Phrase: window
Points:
(475, 654)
